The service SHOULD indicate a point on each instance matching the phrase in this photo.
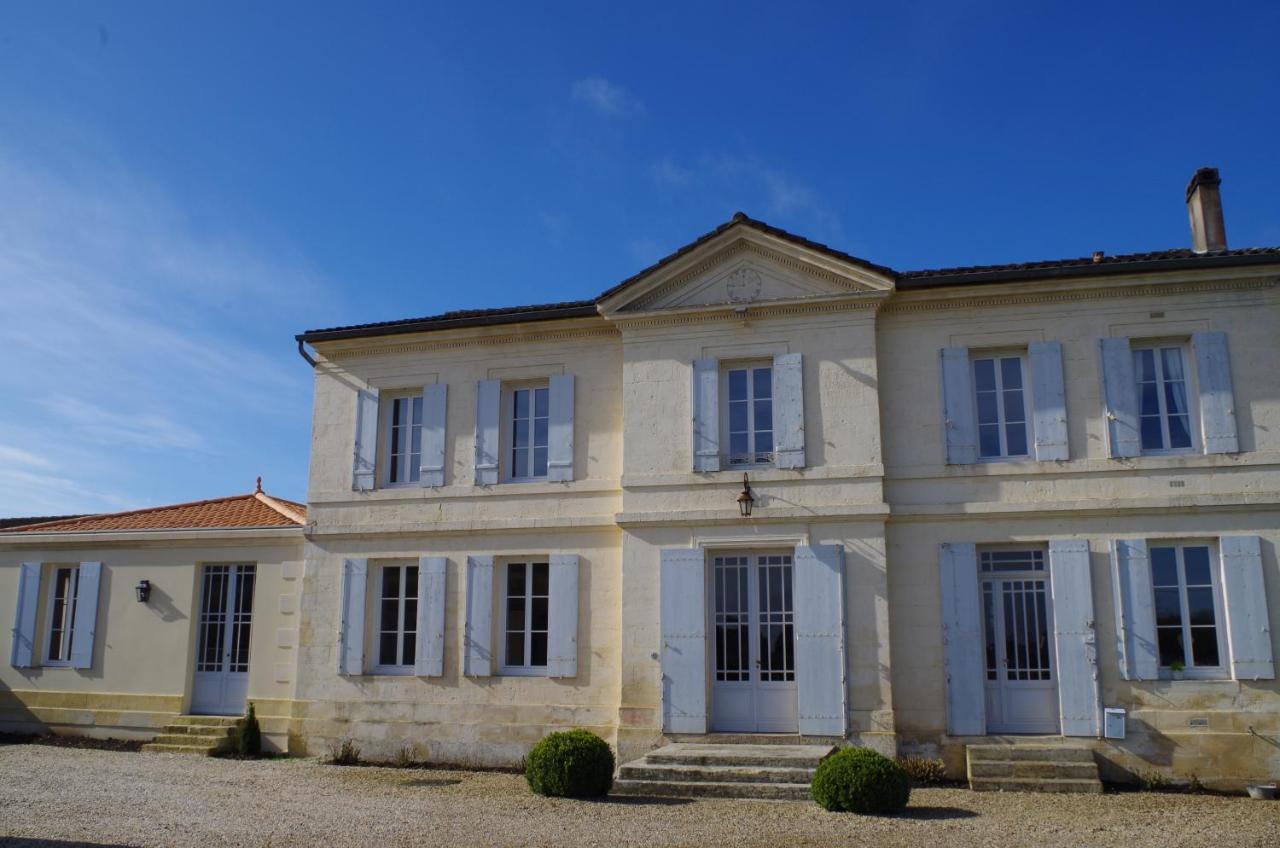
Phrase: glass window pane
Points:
(540, 462)
(1204, 646)
(1014, 408)
(1149, 399)
(387, 649)
(762, 382)
(417, 411)
(1170, 641)
(1164, 567)
(515, 614)
(390, 614)
(737, 385)
(515, 648)
(541, 578)
(1179, 432)
(989, 440)
(764, 442)
(538, 649)
(1011, 372)
(1175, 398)
(1152, 433)
(540, 432)
(738, 444)
(390, 582)
(520, 434)
(520, 462)
(397, 412)
(1144, 363)
(538, 614)
(515, 580)
(738, 417)
(409, 648)
(1016, 439)
(541, 400)
(764, 415)
(1172, 357)
(1168, 607)
(988, 411)
(984, 374)
(411, 581)
(1196, 561)
(1199, 606)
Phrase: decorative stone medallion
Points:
(744, 285)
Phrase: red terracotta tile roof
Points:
(255, 509)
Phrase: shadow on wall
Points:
(15, 717)
(161, 603)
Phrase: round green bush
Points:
(570, 764)
(858, 780)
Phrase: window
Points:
(1002, 407)
(1188, 607)
(397, 618)
(63, 590)
(750, 420)
(526, 596)
(404, 440)
(528, 416)
(1164, 416)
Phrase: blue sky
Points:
(183, 189)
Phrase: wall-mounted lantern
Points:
(144, 590)
(746, 500)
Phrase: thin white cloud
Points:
(148, 430)
(606, 98)
(25, 493)
(17, 456)
(668, 174)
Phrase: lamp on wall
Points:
(144, 590)
(746, 500)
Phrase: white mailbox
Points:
(1113, 722)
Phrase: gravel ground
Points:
(60, 796)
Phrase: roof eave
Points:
(584, 309)
(906, 282)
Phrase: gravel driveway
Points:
(120, 798)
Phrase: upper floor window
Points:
(1188, 604)
(404, 440)
(749, 422)
(998, 383)
(525, 617)
(1164, 414)
(527, 420)
(63, 592)
(397, 618)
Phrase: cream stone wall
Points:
(144, 654)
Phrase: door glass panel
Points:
(1026, 630)
(775, 619)
(729, 574)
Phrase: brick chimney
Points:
(1204, 205)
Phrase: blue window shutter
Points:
(560, 429)
(684, 640)
(788, 410)
(562, 623)
(355, 575)
(84, 626)
(1049, 400)
(1135, 610)
(429, 653)
(478, 638)
(1120, 398)
(958, 422)
(1074, 636)
(488, 411)
(365, 451)
(434, 411)
(706, 415)
(23, 652)
(1245, 597)
(962, 639)
(819, 616)
(1217, 401)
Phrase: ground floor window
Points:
(397, 618)
(63, 589)
(526, 596)
(1188, 607)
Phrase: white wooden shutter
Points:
(429, 653)
(706, 415)
(958, 421)
(562, 624)
(478, 638)
(1217, 402)
(488, 411)
(84, 625)
(1135, 610)
(1120, 398)
(819, 617)
(1074, 636)
(684, 640)
(962, 639)
(788, 410)
(365, 451)
(560, 429)
(1049, 400)
(23, 652)
(1245, 597)
(435, 399)
(355, 577)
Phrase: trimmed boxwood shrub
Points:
(858, 780)
(570, 764)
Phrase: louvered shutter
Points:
(1120, 398)
(1217, 401)
(1245, 597)
(1074, 636)
(684, 640)
(788, 410)
(958, 422)
(488, 411)
(1049, 400)
(355, 575)
(706, 415)
(962, 639)
(429, 653)
(434, 411)
(819, 638)
(365, 450)
(84, 625)
(560, 429)
(562, 624)
(1135, 610)
(478, 638)
(23, 652)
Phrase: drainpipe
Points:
(302, 351)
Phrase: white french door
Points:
(752, 649)
(222, 652)
(1021, 682)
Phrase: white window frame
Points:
(1189, 382)
(1222, 670)
(1027, 412)
(749, 365)
(400, 629)
(69, 620)
(410, 473)
(506, 462)
(505, 667)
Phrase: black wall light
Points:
(144, 590)
(746, 500)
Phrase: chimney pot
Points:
(1204, 207)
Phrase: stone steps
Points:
(1032, 768)
(713, 770)
(204, 735)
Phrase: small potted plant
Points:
(1176, 669)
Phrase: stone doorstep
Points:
(189, 739)
(158, 748)
(644, 770)
(1042, 753)
(698, 789)
(1032, 769)
(714, 770)
(207, 720)
(762, 756)
(1017, 784)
